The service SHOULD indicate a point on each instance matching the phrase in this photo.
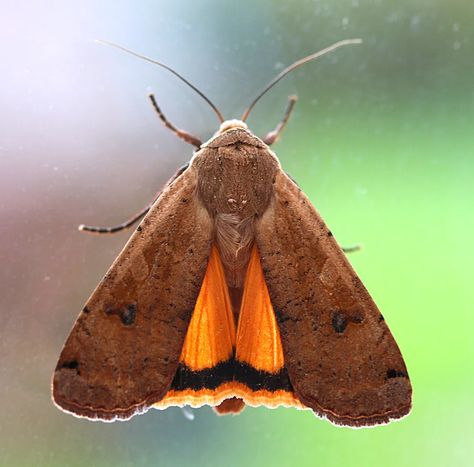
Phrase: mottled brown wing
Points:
(124, 348)
(340, 355)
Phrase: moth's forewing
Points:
(340, 355)
(124, 348)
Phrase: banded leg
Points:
(128, 223)
(273, 136)
(179, 133)
(117, 228)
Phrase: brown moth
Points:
(232, 291)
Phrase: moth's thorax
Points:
(236, 171)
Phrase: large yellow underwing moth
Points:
(232, 291)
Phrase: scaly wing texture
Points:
(340, 355)
(258, 337)
(210, 339)
(123, 351)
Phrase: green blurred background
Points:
(381, 141)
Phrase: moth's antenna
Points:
(295, 65)
(166, 67)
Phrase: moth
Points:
(232, 291)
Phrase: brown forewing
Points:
(340, 355)
(123, 350)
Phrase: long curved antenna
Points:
(166, 67)
(295, 65)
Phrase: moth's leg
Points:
(115, 228)
(179, 133)
(128, 223)
(351, 249)
(273, 136)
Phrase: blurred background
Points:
(381, 141)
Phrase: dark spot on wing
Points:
(126, 313)
(129, 314)
(392, 373)
(339, 322)
(70, 364)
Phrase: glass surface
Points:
(381, 141)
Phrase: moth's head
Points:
(231, 125)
